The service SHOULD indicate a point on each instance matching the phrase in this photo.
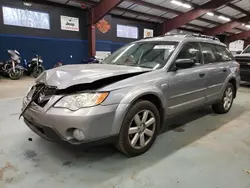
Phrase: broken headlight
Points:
(30, 92)
(81, 100)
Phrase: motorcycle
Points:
(34, 67)
(12, 68)
(91, 60)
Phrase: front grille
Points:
(45, 94)
(244, 62)
(49, 90)
(244, 66)
(242, 59)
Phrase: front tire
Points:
(15, 75)
(226, 102)
(139, 129)
(37, 71)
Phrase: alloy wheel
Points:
(141, 129)
(228, 98)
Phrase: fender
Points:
(229, 77)
(129, 99)
(136, 93)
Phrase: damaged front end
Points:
(98, 84)
(41, 93)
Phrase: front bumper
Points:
(98, 123)
(51, 134)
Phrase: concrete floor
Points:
(202, 150)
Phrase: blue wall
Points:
(51, 49)
(105, 45)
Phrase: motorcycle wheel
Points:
(15, 75)
(37, 71)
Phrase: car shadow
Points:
(245, 84)
(99, 164)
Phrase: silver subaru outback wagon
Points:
(126, 99)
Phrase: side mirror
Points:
(239, 52)
(184, 63)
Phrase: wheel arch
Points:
(154, 99)
(153, 95)
(234, 83)
(230, 79)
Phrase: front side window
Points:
(209, 53)
(191, 51)
(153, 55)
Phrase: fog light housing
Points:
(78, 135)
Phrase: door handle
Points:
(224, 69)
(202, 74)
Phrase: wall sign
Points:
(69, 23)
(148, 33)
(103, 26)
(125, 31)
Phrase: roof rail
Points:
(203, 36)
(175, 34)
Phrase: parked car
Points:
(243, 58)
(126, 99)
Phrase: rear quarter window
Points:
(223, 54)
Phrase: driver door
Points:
(186, 85)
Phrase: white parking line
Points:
(11, 98)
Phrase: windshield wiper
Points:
(142, 66)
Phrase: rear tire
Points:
(139, 129)
(226, 102)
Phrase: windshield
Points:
(247, 50)
(153, 55)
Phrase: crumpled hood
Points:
(69, 75)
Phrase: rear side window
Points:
(209, 53)
(223, 54)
